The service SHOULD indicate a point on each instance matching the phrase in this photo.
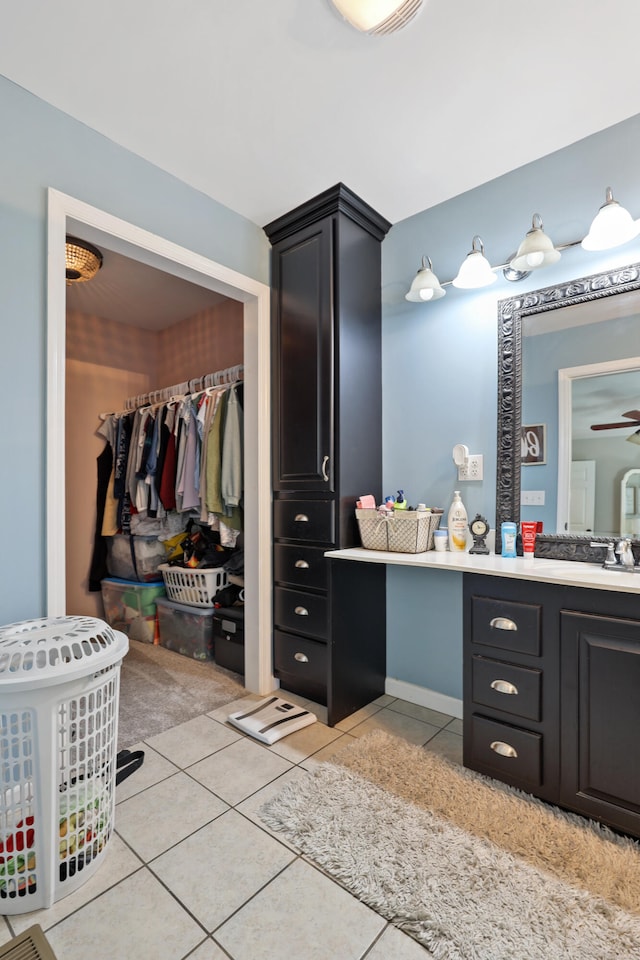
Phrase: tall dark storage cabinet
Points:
(329, 616)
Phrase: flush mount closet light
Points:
(475, 271)
(536, 250)
(378, 17)
(426, 285)
(612, 226)
(83, 260)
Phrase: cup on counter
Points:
(441, 539)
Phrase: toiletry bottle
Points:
(509, 533)
(401, 503)
(457, 524)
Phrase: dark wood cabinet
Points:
(600, 718)
(552, 694)
(327, 445)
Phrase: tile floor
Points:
(193, 872)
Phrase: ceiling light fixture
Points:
(378, 17)
(83, 260)
(475, 271)
(612, 226)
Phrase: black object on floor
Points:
(127, 762)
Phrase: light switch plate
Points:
(532, 498)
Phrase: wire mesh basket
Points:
(196, 588)
(406, 531)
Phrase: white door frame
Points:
(66, 214)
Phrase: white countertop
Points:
(563, 572)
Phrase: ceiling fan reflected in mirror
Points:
(633, 421)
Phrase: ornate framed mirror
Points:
(512, 314)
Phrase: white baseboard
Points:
(423, 697)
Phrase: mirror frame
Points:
(508, 476)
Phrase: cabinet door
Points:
(600, 712)
(303, 361)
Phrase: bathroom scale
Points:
(271, 719)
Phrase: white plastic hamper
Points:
(59, 696)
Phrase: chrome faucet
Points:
(610, 559)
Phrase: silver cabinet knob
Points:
(504, 749)
(503, 686)
(301, 611)
(301, 564)
(301, 657)
(301, 518)
(502, 623)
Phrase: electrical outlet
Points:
(472, 469)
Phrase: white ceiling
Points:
(261, 105)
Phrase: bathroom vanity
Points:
(551, 686)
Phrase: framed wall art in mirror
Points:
(588, 300)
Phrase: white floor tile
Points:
(426, 714)
(301, 744)
(118, 862)
(395, 945)
(208, 951)
(301, 913)
(328, 752)
(136, 919)
(216, 870)
(355, 718)
(221, 713)
(153, 821)
(251, 806)
(397, 724)
(193, 740)
(154, 769)
(446, 744)
(239, 770)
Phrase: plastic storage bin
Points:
(59, 696)
(196, 588)
(228, 638)
(130, 606)
(186, 629)
(135, 558)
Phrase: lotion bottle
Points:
(457, 524)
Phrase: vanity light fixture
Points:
(83, 260)
(475, 271)
(536, 250)
(611, 227)
(378, 17)
(426, 285)
(634, 437)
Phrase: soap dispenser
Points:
(457, 524)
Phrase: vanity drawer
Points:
(507, 687)
(506, 624)
(512, 753)
(301, 612)
(304, 520)
(301, 665)
(301, 566)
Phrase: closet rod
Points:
(216, 379)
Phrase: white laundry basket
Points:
(59, 696)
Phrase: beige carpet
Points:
(470, 868)
(160, 689)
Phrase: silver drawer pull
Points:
(301, 518)
(301, 657)
(503, 623)
(301, 564)
(503, 686)
(504, 749)
(301, 611)
(325, 475)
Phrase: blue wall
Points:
(41, 148)
(439, 359)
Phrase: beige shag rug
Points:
(472, 869)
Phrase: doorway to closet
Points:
(219, 290)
